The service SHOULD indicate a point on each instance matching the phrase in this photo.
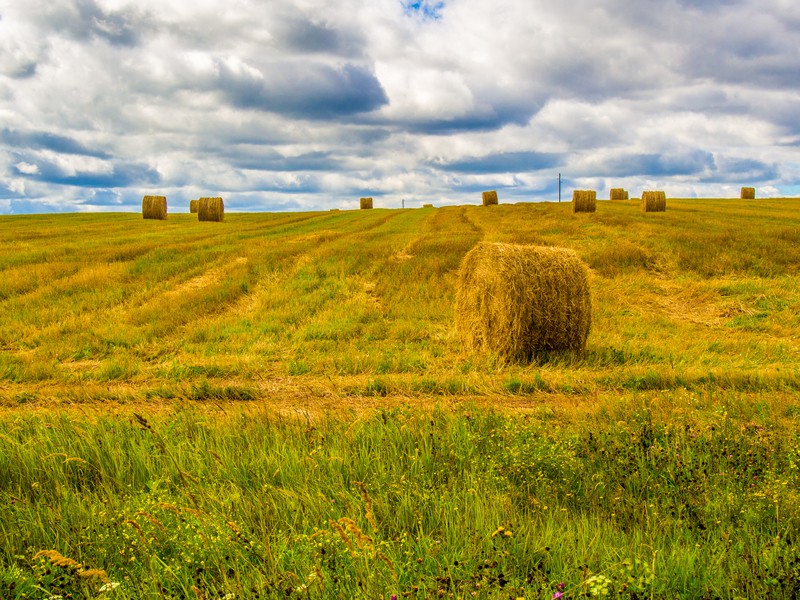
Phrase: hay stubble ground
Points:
(293, 371)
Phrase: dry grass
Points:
(365, 203)
(154, 207)
(584, 201)
(654, 201)
(210, 209)
(519, 300)
(489, 198)
(748, 193)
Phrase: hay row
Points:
(518, 300)
(154, 207)
(584, 201)
(748, 193)
(618, 194)
(365, 203)
(210, 209)
(489, 198)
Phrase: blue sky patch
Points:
(429, 10)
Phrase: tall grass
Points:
(681, 496)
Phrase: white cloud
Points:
(27, 168)
(306, 103)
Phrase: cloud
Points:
(85, 20)
(42, 140)
(301, 90)
(307, 104)
(503, 162)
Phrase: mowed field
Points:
(278, 406)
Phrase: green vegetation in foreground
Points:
(662, 496)
(113, 307)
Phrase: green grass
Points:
(309, 425)
(688, 496)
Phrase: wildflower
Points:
(557, 595)
(108, 587)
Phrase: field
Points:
(277, 406)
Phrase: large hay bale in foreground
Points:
(210, 209)
(489, 198)
(748, 193)
(584, 201)
(618, 194)
(365, 203)
(193, 206)
(519, 300)
(654, 201)
(154, 207)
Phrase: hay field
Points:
(278, 407)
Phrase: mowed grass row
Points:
(670, 495)
(360, 302)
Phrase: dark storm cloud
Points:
(304, 90)
(42, 140)
(503, 162)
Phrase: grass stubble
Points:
(303, 422)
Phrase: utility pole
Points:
(559, 187)
(404, 202)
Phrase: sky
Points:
(288, 105)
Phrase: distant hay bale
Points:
(584, 201)
(210, 209)
(193, 206)
(618, 194)
(518, 300)
(654, 201)
(489, 198)
(366, 203)
(154, 207)
(427, 206)
(748, 193)
(334, 210)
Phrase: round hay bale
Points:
(489, 198)
(618, 194)
(193, 206)
(584, 201)
(748, 193)
(654, 201)
(427, 206)
(210, 209)
(518, 300)
(365, 203)
(154, 207)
